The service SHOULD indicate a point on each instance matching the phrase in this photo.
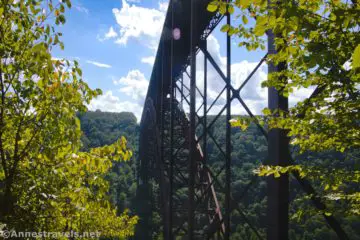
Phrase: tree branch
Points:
(2, 153)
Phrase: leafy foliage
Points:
(46, 183)
(319, 43)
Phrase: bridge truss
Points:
(176, 185)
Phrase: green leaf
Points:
(56, 40)
(225, 28)
(47, 30)
(259, 29)
(68, 3)
(231, 9)
(245, 3)
(62, 19)
(356, 57)
(328, 214)
(222, 8)
(212, 7)
(62, 8)
(78, 70)
(244, 19)
(232, 31)
(266, 111)
(346, 21)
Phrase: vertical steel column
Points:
(204, 120)
(192, 143)
(171, 127)
(161, 120)
(228, 133)
(278, 150)
(143, 192)
(205, 106)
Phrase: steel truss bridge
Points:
(175, 180)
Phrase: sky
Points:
(115, 43)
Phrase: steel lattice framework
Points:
(174, 178)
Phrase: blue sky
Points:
(115, 42)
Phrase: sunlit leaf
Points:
(356, 57)
(212, 7)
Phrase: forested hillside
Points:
(249, 149)
(103, 128)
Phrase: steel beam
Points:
(228, 134)
(278, 155)
(205, 107)
(171, 158)
(192, 142)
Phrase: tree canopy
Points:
(46, 183)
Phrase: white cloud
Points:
(98, 64)
(300, 95)
(252, 90)
(144, 24)
(82, 9)
(149, 60)
(134, 85)
(110, 103)
(163, 6)
(110, 34)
